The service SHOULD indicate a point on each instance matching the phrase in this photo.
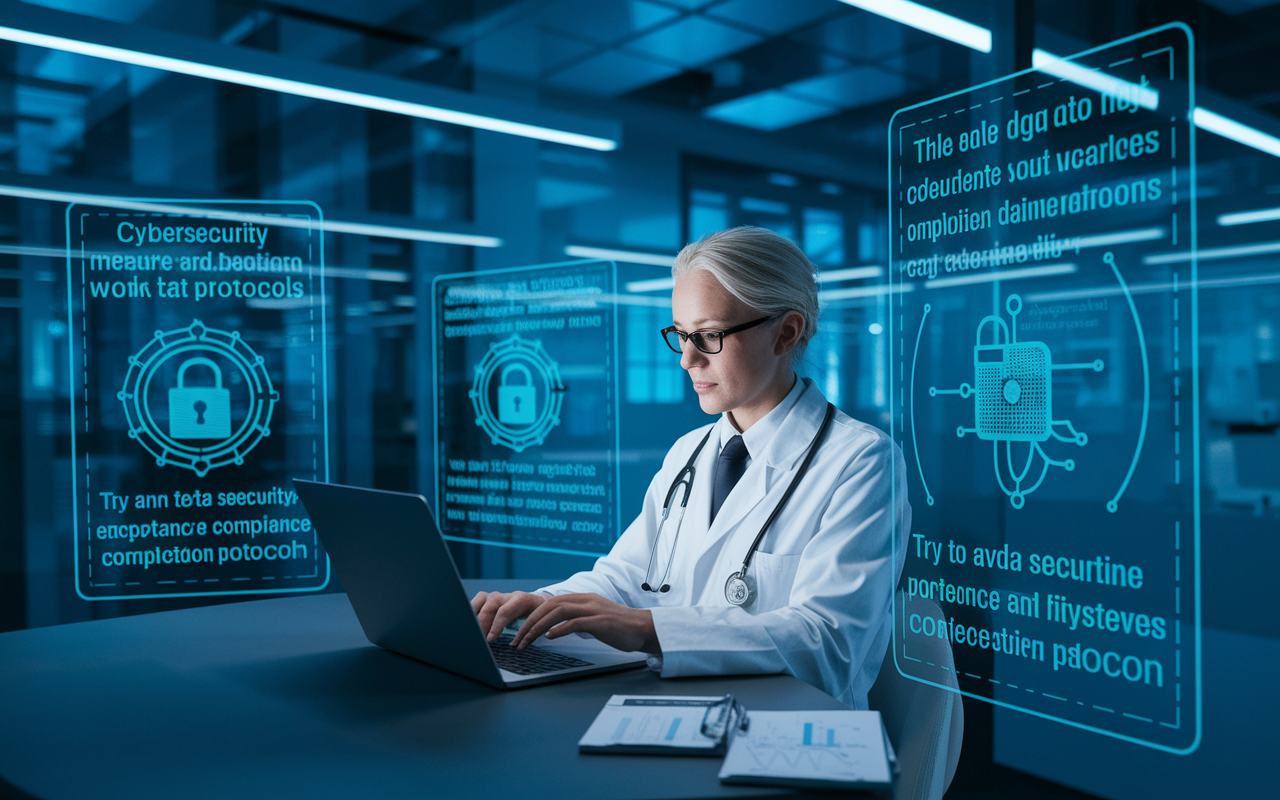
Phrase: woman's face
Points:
(750, 370)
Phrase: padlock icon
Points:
(515, 402)
(199, 412)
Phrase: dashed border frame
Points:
(319, 461)
(896, 428)
(611, 395)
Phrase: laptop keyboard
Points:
(531, 660)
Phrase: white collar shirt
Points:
(757, 437)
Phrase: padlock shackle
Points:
(190, 362)
(508, 369)
(999, 327)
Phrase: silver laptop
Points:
(396, 568)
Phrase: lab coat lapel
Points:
(744, 511)
(718, 558)
(781, 456)
(746, 495)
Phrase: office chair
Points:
(925, 723)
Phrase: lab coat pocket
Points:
(774, 576)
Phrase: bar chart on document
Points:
(807, 744)
(660, 726)
(642, 721)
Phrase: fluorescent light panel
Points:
(655, 285)
(930, 21)
(334, 226)
(629, 256)
(850, 274)
(1152, 288)
(864, 291)
(39, 252)
(1109, 239)
(386, 275)
(1224, 126)
(1007, 275)
(826, 277)
(1058, 67)
(1247, 217)
(301, 89)
(633, 300)
(1214, 253)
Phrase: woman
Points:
(818, 587)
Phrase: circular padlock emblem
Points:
(519, 408)
(201, 433)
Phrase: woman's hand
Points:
(497, 610)
(619, 626)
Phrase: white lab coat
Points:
(824, 573)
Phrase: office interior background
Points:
(720, 113)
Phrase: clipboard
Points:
(664, 725)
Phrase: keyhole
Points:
(516, 401)
(200, 407)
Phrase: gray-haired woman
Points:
(766, 542)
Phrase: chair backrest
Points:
(924, 723)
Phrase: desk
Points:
(285, 698)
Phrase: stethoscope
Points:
(740, 589)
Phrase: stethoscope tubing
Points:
(685, 477)
(804, 467)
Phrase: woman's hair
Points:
(763, 269)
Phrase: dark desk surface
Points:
(286, 698)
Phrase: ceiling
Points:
(820, 69)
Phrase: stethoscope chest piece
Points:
(738, 590)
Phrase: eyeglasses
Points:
(708, 341)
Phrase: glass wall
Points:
(612, 133)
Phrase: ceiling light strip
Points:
(831, 295)
(930, 21)
(302, 89)
(1214, 253)
(1122, 90)
(1224, 126)
(1110, 239)
(629, 256)
(655, 285)
(829, 276)
(332, 226)
(1248, 217)
(1007, 275)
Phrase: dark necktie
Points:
(732, 463)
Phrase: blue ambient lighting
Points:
(769, 110)
(1095, 80)
(301, 89)
(1224, 126)
(930, 21)
(629, 256)
(831, 295)
(333, 226)
(1247, 217)
(1007, 275)
(850, 274)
